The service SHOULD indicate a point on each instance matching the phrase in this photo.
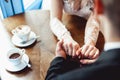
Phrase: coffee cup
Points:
(22, 32)
(14, 56)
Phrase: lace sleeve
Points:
(58, 28)
(91, 31)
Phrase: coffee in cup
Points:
(14, 56)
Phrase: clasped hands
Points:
(87, 53)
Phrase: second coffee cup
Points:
(22, 32)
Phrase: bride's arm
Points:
(91, 31)
(89, 49)
(59, 29)
(56, 9)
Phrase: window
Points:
(1, 17)
(13, 7)
(27, 3)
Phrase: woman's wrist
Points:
(66, 35)
(90, 43)
(59, 29)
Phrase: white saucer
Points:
(15, 68)
(17, 42)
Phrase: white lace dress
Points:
(83, 12)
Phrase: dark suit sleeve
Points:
(107, 67)
(59, 66)
(60, 69)
(56, 68)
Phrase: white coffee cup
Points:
(14, 56)
(22, 32)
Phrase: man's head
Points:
(109, 11)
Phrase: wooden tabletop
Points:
(42, 51)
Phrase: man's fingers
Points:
(87, 61)
(65, 47)
(59, 44)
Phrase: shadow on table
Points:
(22, 72)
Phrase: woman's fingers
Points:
(89, 54)
(96, 54)
(75, 48)
(70, 49)
(70, 46)
(84, 49)
(88, 51)
(78, 53)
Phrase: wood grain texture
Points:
(41, 52)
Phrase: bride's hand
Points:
(88, 53)
(70, 46)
